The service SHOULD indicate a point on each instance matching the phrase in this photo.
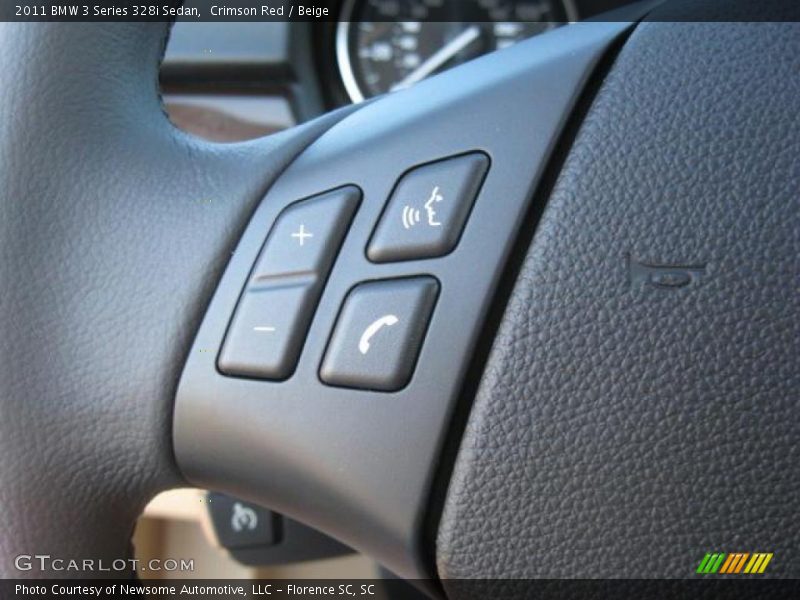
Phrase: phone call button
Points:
(379, 334)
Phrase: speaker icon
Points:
(410, 217)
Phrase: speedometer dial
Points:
(385, 45)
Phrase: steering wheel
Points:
(536, 317)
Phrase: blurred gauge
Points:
(386, 45)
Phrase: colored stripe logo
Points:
(734, 563)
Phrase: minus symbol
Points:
(263, 329)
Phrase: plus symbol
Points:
(301, 234)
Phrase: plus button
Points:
(301, 234)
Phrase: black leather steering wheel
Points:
(610, 370)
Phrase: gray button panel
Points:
(428, 209)
(270, 324)
(379, 334)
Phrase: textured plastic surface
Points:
(359, 464)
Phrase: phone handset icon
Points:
(372, 329)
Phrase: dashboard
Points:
(233, 81)
(383, 46)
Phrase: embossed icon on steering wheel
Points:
(435, 197)
(243, 518)
(372, 329)
(411, 216)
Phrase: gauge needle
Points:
(441, 56)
